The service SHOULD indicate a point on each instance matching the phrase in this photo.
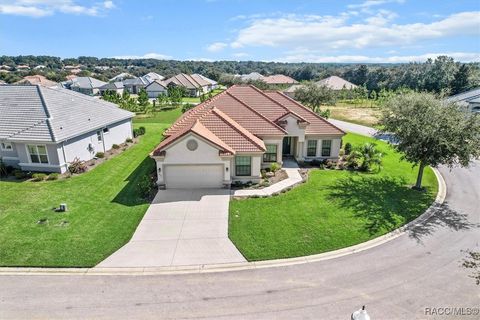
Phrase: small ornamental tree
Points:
(431, 132)
(315, 96)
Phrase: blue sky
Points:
(289, 31)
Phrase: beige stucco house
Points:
(232, 136)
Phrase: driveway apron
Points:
(181, 227)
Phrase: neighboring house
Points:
(2, 82)
(194, 84)
(122, 76)
(250, 77)
(232, 136)
(152, 76)
(336, 83)
(156, 88)
(44, 129)
(40, 66)
(112, 86)
(134, 85)
(470, 100)
(23, 67)
(5, 67)
(333, 83)
(213, 83)
(37, 79)
(279, 79)
(85, 85)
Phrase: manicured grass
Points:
(197, 99)
(104, 205)
(168, 116)
(334, 209)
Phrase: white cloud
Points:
(334, 33)
(217, 46)
(372, 3)
(151, 55)
(312, 57)
(42, 8)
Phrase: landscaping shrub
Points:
(315, 163)
(142, 130)
(341, 152)
(19, 174)
(348, 148)
(274, 167)
(129, 140)
(77, 166)
(39, 176)
(136, 133)
(3, 169)
(146, 187)
(100, 155)
(115, 146)
(53, 176)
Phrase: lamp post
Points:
(360, 314)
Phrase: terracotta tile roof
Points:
(279, 79)
(37, 79)
(317, 125)
(336, 83)
(236, 118)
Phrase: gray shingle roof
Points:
(112, 86)
(36, 113)
(86, 83)
(465, 97)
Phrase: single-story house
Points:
(279, 79)
(194, 84)
(152, 76)
(212, 84)
(112, 86)
(252, 76)
(85, 85)
(44, 129)
(134, 85)
(333, 83)
(122, 76)
(156, 88)
(232, 136)
(37, 79)
(470, 100)
(336, 83)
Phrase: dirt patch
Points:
(360, 115)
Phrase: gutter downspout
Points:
(64, 155)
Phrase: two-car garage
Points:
(193, 176)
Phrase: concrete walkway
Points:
(294, 177)
(181, 227)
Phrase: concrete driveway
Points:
(181, 227)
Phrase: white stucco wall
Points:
(279, 143)
(179, 154)
(118, 133)
(335, 148)
(294, 129)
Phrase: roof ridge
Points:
(255, 111)
(309, 110)
(288, 110)
(237, 127)
(198, 123)
(47, 112)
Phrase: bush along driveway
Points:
(334, 209)
(105, 206)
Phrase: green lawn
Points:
(104, 209)
(334, 209)
(197, 99)
(168, 116)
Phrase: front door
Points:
(287, 146)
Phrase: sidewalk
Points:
(294, 177)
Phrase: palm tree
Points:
(365, 157)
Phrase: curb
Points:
(441, 194)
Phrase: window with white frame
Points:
(6, 146)
(326, 148)
(243, 166)
(37, 153)
(99, 136)
(270, 154)
(311, 148)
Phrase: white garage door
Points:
(194, 176)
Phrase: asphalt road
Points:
(397, 280)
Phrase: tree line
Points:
(442, 75)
